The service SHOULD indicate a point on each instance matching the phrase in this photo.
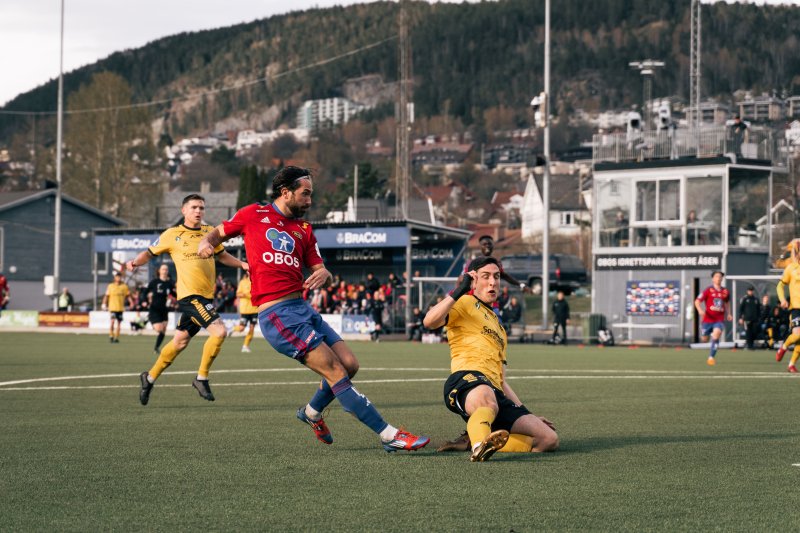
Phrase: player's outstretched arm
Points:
(142, 259)
(228, 260)
(436, 315)
(514, 281)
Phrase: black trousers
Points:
(751, 331)
(563, 325)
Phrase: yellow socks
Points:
(795, 355)
(791, 339)
(248, 338)
(518, 443)
(479, 424)
(165, 358)
(210, 350)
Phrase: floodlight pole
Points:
(59, 142)
(546, 177)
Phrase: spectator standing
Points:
(560, 317)
(749, 312)
(372, 284)
(738, 132)
(378, 304)
(65, 300)
(415, 326)
(512, 313)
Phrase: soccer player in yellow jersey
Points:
(114, 300)
(791, 277)
(248, 313)
(477, 389)
(195, 288)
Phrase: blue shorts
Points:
(293, 328)
(709, 327)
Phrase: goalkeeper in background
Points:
(477, 389)
(791, 277)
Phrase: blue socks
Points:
(322, 398)
(714, 346)
(358, 405)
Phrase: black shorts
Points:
(156, 316)
(794, 319)
(196, 312)
(116, 315)
(248, 318)
(460, 383)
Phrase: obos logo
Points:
(283, 246)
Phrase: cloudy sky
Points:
(93, 29)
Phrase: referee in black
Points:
(159, 290)
(749, 313)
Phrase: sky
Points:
(94, 29)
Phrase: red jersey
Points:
(714, 300)
(278, 248)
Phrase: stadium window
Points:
(101, 262)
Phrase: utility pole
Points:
(546, 177)
(403, 114)
(694, 63)
(647, 69)
(59, 142)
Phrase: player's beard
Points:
(297, 210)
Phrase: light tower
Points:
(646, 68)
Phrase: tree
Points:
(102, 135)
(253, 185)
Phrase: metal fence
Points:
(679, 143)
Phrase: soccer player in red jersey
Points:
(713, 305)
(279, 245)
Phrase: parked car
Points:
(567, 272)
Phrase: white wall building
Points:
(317, 114)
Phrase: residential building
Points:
(314, 115)
(762, 108)
(711, 112)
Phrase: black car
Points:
(567, 272)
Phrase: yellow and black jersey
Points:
(117, 292)
(195, 275)
(791, 277)
(246, 306)
(477, 340)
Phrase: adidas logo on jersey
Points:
(265, 220)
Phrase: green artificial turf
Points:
(652, 439)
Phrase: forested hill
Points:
(466, 58)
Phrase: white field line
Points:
(587, 374)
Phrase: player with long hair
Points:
(279, 245)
